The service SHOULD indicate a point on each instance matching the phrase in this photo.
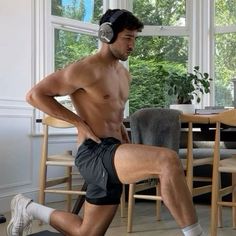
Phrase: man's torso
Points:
(101, 103)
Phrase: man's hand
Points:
(84, 132)
(124, 133)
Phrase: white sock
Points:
(39, 212)
(193, 230)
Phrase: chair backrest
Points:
(49, 121)
(157, 127)
(56, 123)
(226, 117)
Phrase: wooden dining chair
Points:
(61, 184)
(190, 160)
(156, 127)
(227, 165)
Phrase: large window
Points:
(177, 36)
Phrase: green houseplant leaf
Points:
(186, 86)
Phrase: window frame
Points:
(199, 28)
(45, 25)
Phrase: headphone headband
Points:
(115, 16)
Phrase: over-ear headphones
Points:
(106, 33)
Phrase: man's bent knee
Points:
(171, 164)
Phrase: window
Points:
(81, 10)
(225, 12)
(71, 46)
(74, 34)
(178, 35)
(161, 45)
(167, 13)
(151, 54)
(225, 51)
(66, 31)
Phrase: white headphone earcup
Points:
(105, 32)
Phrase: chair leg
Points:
(130, 207)
(41, 195)
(189, 163)
(42, 186)
(214, 204)
(216, 175)
(219, 217)
(158, 202)
(69, 187)
(220, 224)
(80, 201)
(234, 199)
(122, 202)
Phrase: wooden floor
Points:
(145, 223)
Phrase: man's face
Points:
(124, 44)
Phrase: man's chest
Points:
(108, 89)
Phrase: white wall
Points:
(19, 150)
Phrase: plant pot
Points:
(185, 108)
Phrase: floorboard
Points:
(145, 222)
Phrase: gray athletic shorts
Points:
(95, 162)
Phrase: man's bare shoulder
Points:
(93, 69)
(82, 64)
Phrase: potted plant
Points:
(187, 86)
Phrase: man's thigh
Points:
(134, 162)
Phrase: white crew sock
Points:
(193, 230)
(39, 212)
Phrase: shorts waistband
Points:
(108, 140)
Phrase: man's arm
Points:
(60, 83)
(42, 96)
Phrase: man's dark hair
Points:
(125, 21)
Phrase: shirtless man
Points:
(99, 87)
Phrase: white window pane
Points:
(70, 47)
(225, 61)
(225, 12)
(148, 87)
(156, 12)
(82, 10)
